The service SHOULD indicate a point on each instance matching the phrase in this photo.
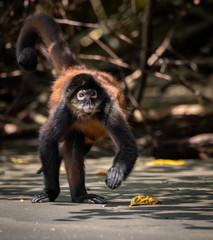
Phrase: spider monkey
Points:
(85, 106)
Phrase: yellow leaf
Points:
(144, 200)
(21, 200)
(165, 162)
(18, 160)
(101, 174)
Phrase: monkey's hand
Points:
(115, 177)
(91, 199)
(44, 196)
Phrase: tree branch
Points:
(76, 23)
(146, 44)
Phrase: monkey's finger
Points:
(114, 178)
(44, 200)
(110, 178)
(115, 181)
(94, 199)
(100, 200)
(42, 197)
(39, 200)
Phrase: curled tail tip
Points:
(27, 59)
(43, 29)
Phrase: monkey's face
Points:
(87, 100)
(84, 95)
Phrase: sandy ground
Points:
(186, 192)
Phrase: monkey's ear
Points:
(68, 94)
(27, 59)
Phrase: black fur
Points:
(75, 140)
(119, 131)
(27, 59)
(49, 136)
(59, 126)
(84, 81)
(25, 47)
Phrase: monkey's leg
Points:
(49, 136)
(50, 166)
(40, 170)
(73, 155)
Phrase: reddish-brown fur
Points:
(67, 123)
(74, 164)
(91, 128)
(105, 79)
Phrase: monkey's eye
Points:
(80, 95)
(93, 94)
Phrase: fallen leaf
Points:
(18, 160)
(144, 200)
(21, 200)
(101, 174)
(165, 162)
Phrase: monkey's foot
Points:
(44, 197)
(114, 178)
(91, 199)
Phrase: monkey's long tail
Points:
(43, 29)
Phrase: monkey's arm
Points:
(49, 136)
(125, 159)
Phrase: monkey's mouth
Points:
(88, 109)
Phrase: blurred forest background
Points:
(161, 52)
